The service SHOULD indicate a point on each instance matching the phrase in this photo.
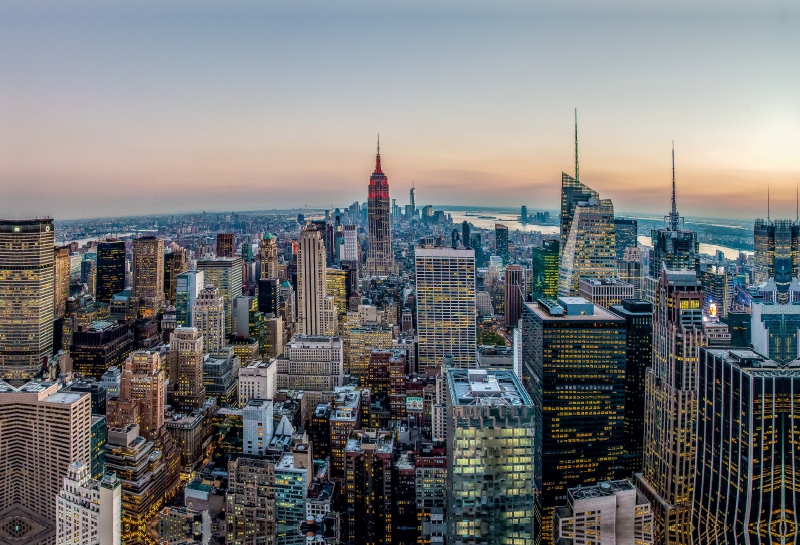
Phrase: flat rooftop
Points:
(598, 313)
(486, 387)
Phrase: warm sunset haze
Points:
(121, 109)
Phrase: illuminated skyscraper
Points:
(638, 317)
(225, 245)
(491, 458)
(671, 404)
(174, 264)
(573, 354)
(147, 275)
(674, 247)
(631, 271)
(544, 271)
(142, 379)
(61, 268)
(501, 241)
(26, 297)
(186, 369)
(110, 269)
(747, 453)
(311, 286)
(588, 248)
(446, 311)
(269, 257)
(777, 254)
(413, 200)
(226, 275)
(380, 259)
(208, 316)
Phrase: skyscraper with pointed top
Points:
(674, 247)
(380, 260)
(587, 232)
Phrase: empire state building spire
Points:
(380, 260)
(378, 157)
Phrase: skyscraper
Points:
(380, 259)
(269, 257)
(225, 245)
(226, 275)
(513, 295)
(186, 369)
(638, 317)
(26, 297)
(208, 316)
(110, 269)
(501, 241)
(188, 286)
(625, 235)
(446, 311)
(43, 432)
(466, 237)
(311, 286)
(674, 247)
(147, 275)
(588, 248)
(143, 379)
(631, 271)
(174, 264)
(544, 270)
(747, 454)
(491, 458)
(88, 511)
(671, 404)
(61, 268)
(777, 253)
(573, 356)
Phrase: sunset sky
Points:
(111, 109)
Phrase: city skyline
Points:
(221, 107)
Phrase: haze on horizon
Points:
(149, 107)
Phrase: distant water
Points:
(710, 249)
(486, 220)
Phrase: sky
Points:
(122, 108)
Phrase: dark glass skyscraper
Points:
(501, 241)
(638, 317)
(544, 271)
(573, 355)
(466, 238)
(745, 487)
(110, 269)
(625, 232)
(776, 255)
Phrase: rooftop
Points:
(551, 311)
(486, 387)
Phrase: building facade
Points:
(490, 456)
(446, 311)
(88, 511)
(226, 275)
(578, 395)
(311, 285)
(110, 269)
(147, 275)
(27, 276)
(186, 357)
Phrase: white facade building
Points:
(89, 512)
(257, 380)
(258, 426)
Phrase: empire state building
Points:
(380, 260)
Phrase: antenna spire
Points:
(577, 171)
(674, 214)
(767, 201)
(378, 157)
